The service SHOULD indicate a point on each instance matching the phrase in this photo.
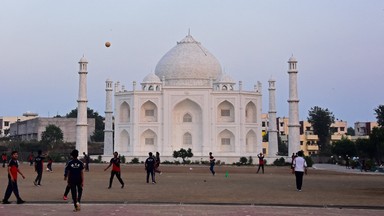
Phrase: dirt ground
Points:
(194, 184)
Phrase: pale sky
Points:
(339, 46)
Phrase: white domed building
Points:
(187, 103)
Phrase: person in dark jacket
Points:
(150, 167)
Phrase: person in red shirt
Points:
(13, 169)
(115, 163)
(261, 162)
(4, 159)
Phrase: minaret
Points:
(82, 125)
(108, 131)
(272, 129)
(293, 101)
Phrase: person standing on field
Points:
(115, 163)
(300, 166)
(39, 159)
(13, 169)
(75, 172)
(150, 167)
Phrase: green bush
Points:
(135, 160)
(309, 161)
(279, 162)
(243, 161)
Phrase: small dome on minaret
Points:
(292, 59)
(83, 60)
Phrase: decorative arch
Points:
(225, 112)
(250, 113)
(125, 145)
(250, 142)
(187, 118)
(148, 112)
(187, 139)
(125, 113)
(226, 141)
(148, 140)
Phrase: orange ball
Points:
(107, 44)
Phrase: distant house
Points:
(31, 129)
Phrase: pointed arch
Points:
(125, 142)
(250, 113)
(225, 112)
(125, 113)
(148, 140)
(250, 141)
(187, 117)
(148, 112)
(226, 141)
(187, 139)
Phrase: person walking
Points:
(4, 159)
(30, 158)
(49, 164)
(300, 166)
(212, 163)
(39, 159)
(149, 167)
(13, 169)
(86, 161)
(261, 162)
(115, 163)
(157, 163)
(75, 170)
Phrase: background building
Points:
(6, 121)
(31, 129)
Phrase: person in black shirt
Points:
(149, 167)
(86, 161)
(39, 168)
(115, 163)
(75, 177)
(211, 163)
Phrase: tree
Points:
(282, 147)
(183, 154)
(51, 135)
(365, 149)
(350, 131)
(379, 111)
(377, 142)
(344, 147)
(98, 134)
(321, 120)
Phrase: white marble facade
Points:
(188, 103)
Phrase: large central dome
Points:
(188, 64)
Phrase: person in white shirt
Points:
(300, 167)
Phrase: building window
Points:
(149, 141)
(225, 141)
(263, 124)
(264, 151)
(6, 123)
(281, 124)
(187, 118)
(342, 128)
(187, 139)
(150, 112)
(307, 128)
(301, 142)
(225, 112)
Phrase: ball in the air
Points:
(107, 44)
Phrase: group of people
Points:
(74, 173)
